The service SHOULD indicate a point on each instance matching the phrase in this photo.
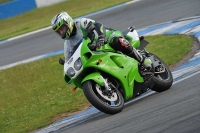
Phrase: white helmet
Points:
(63, 25)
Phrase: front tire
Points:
(162, 80)
(109, 105)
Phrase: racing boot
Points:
(147, 63)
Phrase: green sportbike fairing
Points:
(109, 78)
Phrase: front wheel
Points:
(163, 77)
(107, 101)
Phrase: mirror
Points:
(61, 61)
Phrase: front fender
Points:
(96, 76)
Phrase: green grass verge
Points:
(4, 1)
(40, 18)
(34, 95)
(171, 48)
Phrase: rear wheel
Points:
(108, 101)
(163, 77)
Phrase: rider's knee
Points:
(121, 44)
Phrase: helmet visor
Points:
(63, 31)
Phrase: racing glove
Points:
(100, 41)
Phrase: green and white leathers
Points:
(81, 26)
(109, 78)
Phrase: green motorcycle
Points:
(109, 78)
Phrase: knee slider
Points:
(121, 44)
(124, 42)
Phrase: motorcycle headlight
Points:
(70, 72)
(78, 64)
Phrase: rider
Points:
(72, 32)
